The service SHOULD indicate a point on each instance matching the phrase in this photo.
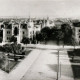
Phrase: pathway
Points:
(45, 67)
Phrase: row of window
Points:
(8, 38)
(8, 32)
(24, 32)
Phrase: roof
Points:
(24, 25)
(8, 26)
(76, 24)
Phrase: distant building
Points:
(48, 23)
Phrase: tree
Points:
(15, 50)
(7, 48)
(38, 37)
(53, 33)
(45, 33)
(2, 61)
(13, 39)
(66, 29)
(14, 47)
(59, 36)
(25, 40)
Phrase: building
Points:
(77, 32)
(19, 30)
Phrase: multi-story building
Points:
(22, 29)
(19, 30)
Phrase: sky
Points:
(40, 8)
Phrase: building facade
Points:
(19, 30)
(22, 29)
(77, 34)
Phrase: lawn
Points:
(11, 64)
(75, 63)
(7, 63)
(76, 71)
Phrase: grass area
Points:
(27, 52)
(75, 66)
(6, 64)
(76, 71)
(9, 66)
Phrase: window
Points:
(33, 32)
(79, 42)
(7, 38)
(36, 26)
(79, 30)
(29, 26)
(8, 32)
(30, 32)
(79, 36)
(23, 32)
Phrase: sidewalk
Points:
(3, 75)
(22, 68)
(45, 67)
(65, 65)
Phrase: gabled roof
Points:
(24, 25)
(8, 26)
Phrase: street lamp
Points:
(8, 63)
(58, 67)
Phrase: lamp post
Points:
(58, 67)
(8, 63)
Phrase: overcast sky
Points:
(40, 8)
